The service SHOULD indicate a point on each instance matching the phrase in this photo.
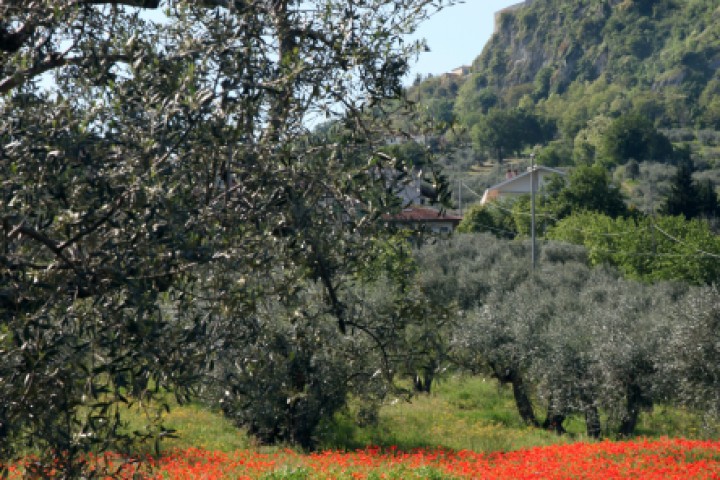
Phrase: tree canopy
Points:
(688, 197)
(646, 248)
(633, 136)
(505, 131)
(570, 339)
(588, 188)
(160, 177)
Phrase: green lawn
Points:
(462, 413)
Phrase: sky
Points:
(456, 35)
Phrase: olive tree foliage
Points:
(571, 339)
(287, 368)
(692, 373)
(567, 337)
(463, 269)
(159, 177)
(482, 274)
(450, 278)
(606, 347)
(507, 334)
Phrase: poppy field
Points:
(641, 458)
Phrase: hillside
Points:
(587, 81)
(576, 59)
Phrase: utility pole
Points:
(460, 195)
(651, 213)
(532, 210)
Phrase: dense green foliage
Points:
(606, 80)
(507, 131)
(633, 137)
(163, 204)
(588, 188)
(585, 58)
(572, 339)
(649, 248)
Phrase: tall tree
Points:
(633, 136)
(588, 188)
(158, 175)
(505, 131)
(683, 198)
(688, 197)
(708, 204)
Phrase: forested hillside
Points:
(632, 86)
(576, 59)
(599, 57)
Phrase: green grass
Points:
(195, 426)
(462, 413)
(676, 422)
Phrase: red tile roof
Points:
(422, 214)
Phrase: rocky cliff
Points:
(656, 43)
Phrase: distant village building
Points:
(420, 218)
(459, 71)
(417, 213)
(517, 184)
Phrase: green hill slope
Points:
(573, 60)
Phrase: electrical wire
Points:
(614, 234)
(680, 242)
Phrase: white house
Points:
(519, 184)
(414, 190)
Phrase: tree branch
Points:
(50, 62)
(48, 242)
(87, 231)
(13, 41)
(150, 4)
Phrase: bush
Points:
(286, 378)
(689, 357)
(288, 367)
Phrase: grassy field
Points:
(462, 413)
(467, 428)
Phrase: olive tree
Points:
(560, 362)
(153, 166)
(287, 368)
(621, 317)
(566, 337)
(689, 356)
(501, 318)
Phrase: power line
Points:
(653, 226)
(641, 254)
(553, 217)
(680, 242)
